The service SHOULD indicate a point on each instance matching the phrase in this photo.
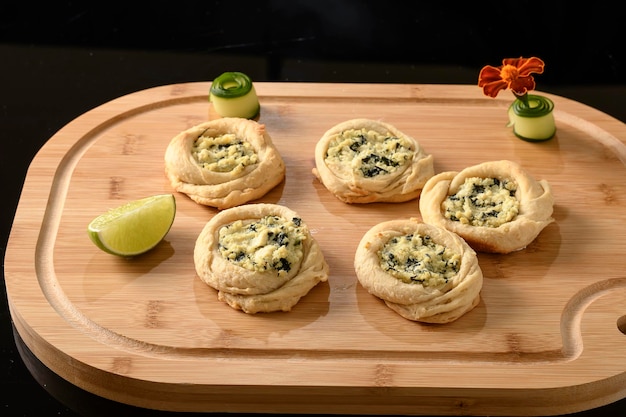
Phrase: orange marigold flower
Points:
(514, 74)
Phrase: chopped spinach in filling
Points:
(269, 243)
(369, 153)
(224, 153)
(488, 202)
(418, 259)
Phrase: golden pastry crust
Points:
(433, 300)
(224, 186)
(534, 198)
(349, 182)
(248, 289)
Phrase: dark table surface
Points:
(58, 61)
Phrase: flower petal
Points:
(493, 88)
(526, 66)
(521, 85)
(516, 62)
(488, 74)
(531, 65)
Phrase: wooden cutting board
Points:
(549, 336)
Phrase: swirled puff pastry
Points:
(495, 206)
(259, 257)
(366, 161)
(224, 163)
(422, 272)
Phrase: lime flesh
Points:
(135, 227)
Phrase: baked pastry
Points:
(422, 272)
(259, 257)
(224, 163)
(495, 206)
(366, 161)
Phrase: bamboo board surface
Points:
(548, 336)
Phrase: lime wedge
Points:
(135, 227)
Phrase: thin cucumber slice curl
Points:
(233, 95)
(535, 121)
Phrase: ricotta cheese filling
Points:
(224, 153)
(418, 259)
(266, 244)
(369, 153)
(488, 202)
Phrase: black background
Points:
(61, 59)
